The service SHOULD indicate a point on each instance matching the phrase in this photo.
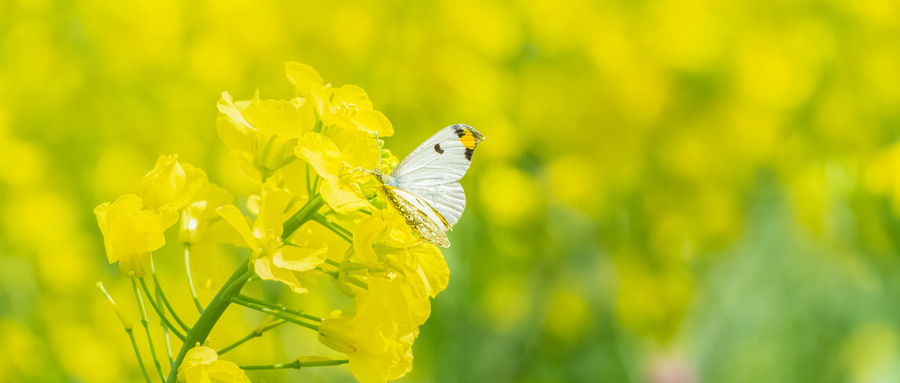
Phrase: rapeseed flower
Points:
(171, 186)
(272, 257)
(338, 187)
(133, 225)
(378, 336)
(261, 134)
(201, 365)
(385, 241)
(347, 107)
(130, 233)
(402, 274)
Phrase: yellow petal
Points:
(200, 355)
(351, 96)
(342, 197)
(369, 231)
(303, 77)
(372, 122)
(234, 130)
(321, 153)
(300, 258)
(167, 216)
(130, 233)
(226, 372)
(434, 267)
(273, 202)
(191, 368)
(358, 149)
(200, 365)
(245, 161)
(233, 216)
(266, 269)
(221, 232)
(279, 117)
(373, 368)
(172, 184)
(334, 333)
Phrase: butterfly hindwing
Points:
(422, 218)
(447, 199)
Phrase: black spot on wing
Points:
(438, 149)
(469, 153)
(460, 131)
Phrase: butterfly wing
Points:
(424, 219)
(433, 170)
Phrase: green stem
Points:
(146, 323)
(137, 352)
(160, 312)
(350, 278)
(165, 333)
(309, 190)
(256, 333)
(235, 287)
(276, 313)
(279, 307)
(297, 365)
(337, 229)
(315, 187)
(163, 295)
(201, 329)
(187, 268)
(298, 219)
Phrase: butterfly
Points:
(425, 187)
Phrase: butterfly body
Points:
(425, 187)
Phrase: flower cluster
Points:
(317, 215)
(133, 224)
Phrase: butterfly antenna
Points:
(378, 146)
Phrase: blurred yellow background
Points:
(670, 191)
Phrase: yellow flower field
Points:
(668, 191)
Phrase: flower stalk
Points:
(159, 311)
(256, 333)
(274, 312)
(201, 329)
(162, 295)
(146, 323)
(187, 269)
(297, 365)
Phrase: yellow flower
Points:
(261, 134)
(171, 183)
(203, 230)
(201, 365)
(272, 258)
(130, 233)
(338, 187)
(378, 338)
(385, 241)
(347, 107)
(171, 186)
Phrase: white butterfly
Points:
(425, 187)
